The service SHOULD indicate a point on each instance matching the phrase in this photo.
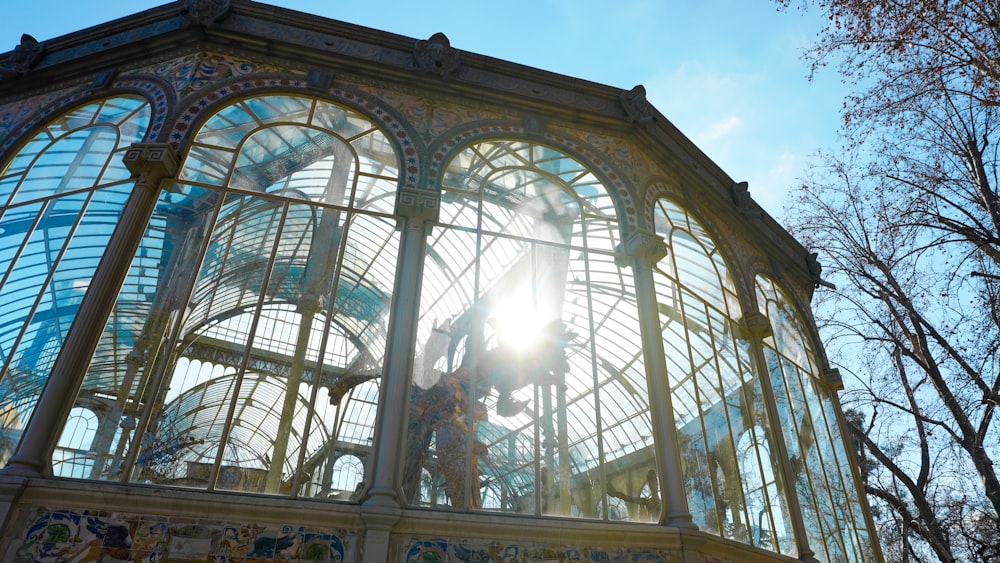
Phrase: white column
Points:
(381, 508)
(149, 163)
(646, 249)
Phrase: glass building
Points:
(276, 287)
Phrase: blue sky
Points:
(727, 73)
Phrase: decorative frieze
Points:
(194, 72)
(87, 535)
(498, 551)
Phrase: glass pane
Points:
(63, 192)
(528, 380)
(246, 346)
(823, 480)
(722, 424)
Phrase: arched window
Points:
(245, 348)
(60, 198)
(760, 488)
(76, 439)
(348, 473)
(716, 392)
(821, 473)
(529, 391)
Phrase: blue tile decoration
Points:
(193, 72)
(88, 536)
(441, 550)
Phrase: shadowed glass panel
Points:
(60, 198)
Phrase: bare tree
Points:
(906, 218)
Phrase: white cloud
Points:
(772, 185)
(749, 122)
(719, 130)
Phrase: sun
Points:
(517, 323)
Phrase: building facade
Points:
(276, 287)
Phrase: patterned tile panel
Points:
(421, 550)
(193, 72)
(84, 536)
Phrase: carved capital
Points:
(757, 324)
(151, 162)
(636, 107)
(436, 55)
(24, 58)
(834, 381)
(206, 13)
(419, 205)
(645, 246)
(309, 303)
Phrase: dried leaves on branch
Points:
(906, 219)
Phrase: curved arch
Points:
(348, 473)
(654, 189)
(80, 431)
(742, 276)
(157, 92)
(267, 256)
(406, 142)
(451, 143)
(61, 195)
(529, 328)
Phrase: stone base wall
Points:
(50, 520)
